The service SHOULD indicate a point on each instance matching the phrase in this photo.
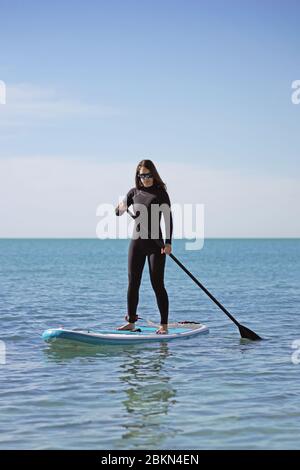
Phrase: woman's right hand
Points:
(121, 208)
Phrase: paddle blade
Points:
(248, 334)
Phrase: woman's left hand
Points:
(167, 249)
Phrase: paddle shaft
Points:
(245, 332)
(204, 289)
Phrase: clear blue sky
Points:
(204, 82)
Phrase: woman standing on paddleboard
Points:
(149, 196)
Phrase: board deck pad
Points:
(114, 336)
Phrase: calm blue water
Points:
(210, 392)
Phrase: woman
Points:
(149, 191)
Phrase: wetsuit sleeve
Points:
(128, 200)
(167, 213)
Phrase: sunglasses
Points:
(145, 176)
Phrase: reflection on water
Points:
(149, 393)
(67, 351)
(150, 396)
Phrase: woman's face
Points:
(147, 182)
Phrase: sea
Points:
(215, 391)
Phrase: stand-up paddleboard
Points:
(143, 334)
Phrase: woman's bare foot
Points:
(128, 326)
(163, 330)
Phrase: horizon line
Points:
(183, 239)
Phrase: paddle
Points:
(244, 331)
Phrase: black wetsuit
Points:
(146, 201)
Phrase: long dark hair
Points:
(151, 167)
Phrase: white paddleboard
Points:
(146, 334)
